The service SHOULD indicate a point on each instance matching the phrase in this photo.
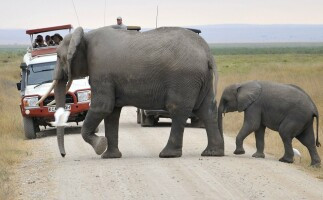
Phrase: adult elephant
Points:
(166, 68)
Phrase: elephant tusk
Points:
(68, 86)
(47, 93)
(51, 103)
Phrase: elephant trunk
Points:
(220, 113)
(60, 91)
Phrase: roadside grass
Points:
(12, 147)
(266, 48)
(304, 70)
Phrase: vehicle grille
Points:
(69, 99)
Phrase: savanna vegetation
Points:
(300, 64)
(12, 147)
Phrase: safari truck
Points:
(151, 117)
(37, 80)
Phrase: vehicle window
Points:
(40, 73)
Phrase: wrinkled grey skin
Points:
(280, 107)
(166, 68)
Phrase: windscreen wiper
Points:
(39, 84)
(44, 70)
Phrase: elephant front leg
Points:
(243, 133)
(91, 122)
(251, 123)
(260, 142)
(175, 142)
(111, 123)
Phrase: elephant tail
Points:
(318, 144)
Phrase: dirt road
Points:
(140, 174)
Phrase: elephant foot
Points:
(213, 152)
(100, 144)
(239, 151)
(258, 155)
(170, 153)
(111, 154)
(286, 160)
(316, 165)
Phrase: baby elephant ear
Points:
(247, 93)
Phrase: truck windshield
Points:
(40, 73)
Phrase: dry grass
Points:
(304, 70)
(12, 147)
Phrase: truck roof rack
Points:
(47, 29)
(135, 28)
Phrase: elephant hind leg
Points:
(91, 122)
(207, 112)
(287, 129)
(307, 138)
(179, 114)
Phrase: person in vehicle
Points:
(39, 42)
(120, 24)
(49, 41)
(57, 38)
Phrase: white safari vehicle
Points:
(36, 80)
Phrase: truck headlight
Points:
(30, 102)
(84, 96)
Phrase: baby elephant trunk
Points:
(220, 114)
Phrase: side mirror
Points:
(18, 86)
(23, 66)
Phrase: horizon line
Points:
(224, 24)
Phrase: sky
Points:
(28, 14)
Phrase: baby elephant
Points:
(280, 107)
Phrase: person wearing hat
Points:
(39, 42)
(120, 25)
(57, 38)
(49, 41)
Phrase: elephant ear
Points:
(247, 93)
(74, 50)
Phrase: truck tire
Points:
(197, 123)
(30, 128)
(146, 120)
(138, 116)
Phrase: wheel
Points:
(197, 123)
(138, 116)
(146, 120)
(30, 127)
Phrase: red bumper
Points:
(43, 111)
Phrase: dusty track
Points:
(140, 174)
